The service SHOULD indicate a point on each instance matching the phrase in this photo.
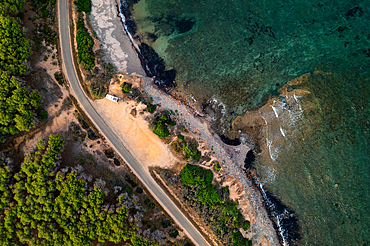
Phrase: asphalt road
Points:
(146, 179)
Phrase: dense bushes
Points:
(216, 210)
(160, 128)
(126, 87)
(151, 107)
(83, 5)
(188, 147)
(194, 175)
(16, 105)
(38, 207)
(44, 20)
(16, 102)
(14, 47)
(85, 44)
(11, 6)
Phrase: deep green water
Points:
(242, 51)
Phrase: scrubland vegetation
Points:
(41, 207)
(196, 189)
(213, 206)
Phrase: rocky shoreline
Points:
(262, 229)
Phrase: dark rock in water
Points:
(279, 213)
(289, 224)
(116, 162)
(184, 25)
(153, 37)
(150, 60)
(249, 159)
(228, 141)
(166, 79)
(155, 66)
(124, 9)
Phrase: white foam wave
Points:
(275, 111)
(218, 104)
(273, 151)
(282, 132)
(128, 33)
(278, 217)
(296, 99)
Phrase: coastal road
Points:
(70, 73)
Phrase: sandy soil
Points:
(134, 131)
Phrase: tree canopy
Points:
(15, 48)
(38, 207)
(11, 6)
(16, 105)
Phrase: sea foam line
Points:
(277, 217)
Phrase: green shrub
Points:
(217, 166)
(246, 225)
(174, 233)
(151, 108)
(225, 189)
(83, 5)
(43, 114)
(191, 150)
(126, 87)
(161, 130)
(96, 92)
(85, 44)
(128, 189)
(151, 205)
(210, 203)
(59, 77)
(192, 175)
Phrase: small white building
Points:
(112, 98)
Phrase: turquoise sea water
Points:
(242, 51)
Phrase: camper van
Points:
(112, 98)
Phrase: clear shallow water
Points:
(242, 51)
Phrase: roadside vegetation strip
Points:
(217, 211)
(85, 44)
(178, 205)
(85, 117)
